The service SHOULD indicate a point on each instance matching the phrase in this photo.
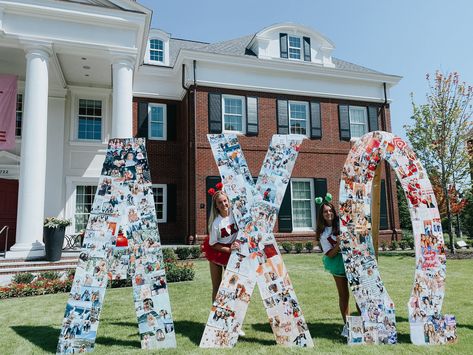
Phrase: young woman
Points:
(328, 235)
(223, 231)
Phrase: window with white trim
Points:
(234, 113)
(160, 199)
(89, 120)
(358, 121)
(303, 208)
(295, 47)
(85, 195)
(156, 50)
(19, 114)
(157, 127)
(298, 117)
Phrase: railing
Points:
(73, 241)
(5, 228)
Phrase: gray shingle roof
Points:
(237, 47)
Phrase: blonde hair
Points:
(213, 209)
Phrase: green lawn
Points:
(31, 325)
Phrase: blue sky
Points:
(403, 37)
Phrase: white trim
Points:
(165, 202)
(301, 48)
(312, 204)
(71, 191)
(307, 123)
(88, 94)
(165, 128)
(243, 113)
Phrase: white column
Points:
(122, 113)
(29, 225)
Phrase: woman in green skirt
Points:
(328, 235)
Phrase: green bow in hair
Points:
(328, 198)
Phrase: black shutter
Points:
(285, 212)
(171, 202)
(373, 118)
(210, 182)
(251, 116)
(320, 190)
(215, 113)
(171, 122)
(315, 121)
(142, 119)
(307, 56)
(383, 208)
(283, 117)
(283, 45)
(344, 122)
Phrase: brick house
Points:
(282, 79)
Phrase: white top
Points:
(224, 230)
(327, 240)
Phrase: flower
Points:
(54, 222)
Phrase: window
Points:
(358, 121)
(160, 198)
(303, 209)
(295, 45)
(298, 117)
(233, 109)
(90, 119)
(84, 199)
(19, 114)
(157, 121)
(156, 50)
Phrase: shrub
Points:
(183, 253)
(50, 275)
(176, 272)
(23, 278)
(169, 254)
(287, 246)
(35, 288)
(195, 252)
(403, 244)
(71, 273)
(309, 246)
(298, 247)
(384, 246)
(394, 245)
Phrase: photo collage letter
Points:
(121, 234)
(377, 322)
(258, 260)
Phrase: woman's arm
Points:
(335, 250)
(226, 248)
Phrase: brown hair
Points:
(321, 221)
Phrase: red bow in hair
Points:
(212, 191)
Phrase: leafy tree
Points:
(404, 215)
(439, 133)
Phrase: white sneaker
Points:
(344, 332)
(241, 333)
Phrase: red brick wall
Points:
(317, 159)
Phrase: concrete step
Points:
(36, 269)
(23, 264)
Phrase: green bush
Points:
(309, 246)
(50, 275)
(183, 252)
(195, 252)
(287, 246)
(403, 244)
(298, 247)
(71, 273)
(35, 288)
(384, 246)
(23, 278)
(176, 272)
(169, 254)
(394, 245)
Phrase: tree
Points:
(439, 133)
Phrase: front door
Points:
(8, 207)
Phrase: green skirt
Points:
(334, 265)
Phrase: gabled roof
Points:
(238, 47)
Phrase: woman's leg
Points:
(216, 277)
(343, 296)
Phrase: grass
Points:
(31, 325)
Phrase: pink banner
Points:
(7, 111)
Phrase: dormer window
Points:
(156, 50)
(295, 46)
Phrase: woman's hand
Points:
(235, 245)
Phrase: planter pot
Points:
(53, 241)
